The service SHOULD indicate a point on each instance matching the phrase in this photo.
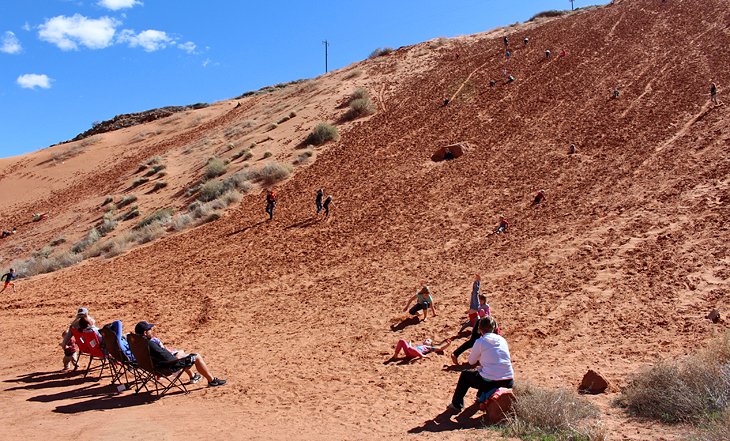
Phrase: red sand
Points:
(615, 271)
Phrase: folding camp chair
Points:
(119, 363)
(148, 372)
(90, 346)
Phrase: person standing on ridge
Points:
(506, 41)
(526, 40)
(8, 278)
(713, 93)
(328, 205)
(271, 197)
(318, 200)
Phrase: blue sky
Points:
(67, 63)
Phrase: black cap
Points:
(143, 327)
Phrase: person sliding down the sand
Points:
(423, 301)
(417, 352)
(502, 227)
(539, 198)
(271, 203)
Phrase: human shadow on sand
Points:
(447, 421)
(244, 229)
(40, 377)
(66, 382)
(92, 390)
(410, 321)
(108, 402)
(303, 224)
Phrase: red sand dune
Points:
(615, 271)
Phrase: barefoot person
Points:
(8, 278)
(491, 354)
(175, 360)
(417, 352)
(423, 301)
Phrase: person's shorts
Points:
(9, 283)
(418, 307)
(182, 363)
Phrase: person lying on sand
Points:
(423, 301)
(175, 360)
(6, 233)
(416, 352)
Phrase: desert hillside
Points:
(617, 269)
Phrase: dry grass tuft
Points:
(322, 133)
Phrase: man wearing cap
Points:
(163, 358)
(81, 313)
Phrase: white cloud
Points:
(150, 40)
(10, 44)
(116, 5)
(188, 47)
(26, 27)
(69, 32)
(31, 81)
(206, 62)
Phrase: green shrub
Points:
(322, 133)
(107, 200)
(547, 414)
(33, 266)
(140, 181)
(274, 172)
(215, 168)
(211, 190)
(550, 13)
(181, 221)
(292, 114)
(267, 155)
(126, 200)
(58, 241)
(360, 107)
(272, 126)
(106, 226)
(158, 217)
(91, 237)
(131, 214)
(154, 160)
(353, 74)
(380, 52)
(159, 185)
(358, 93)
(146, 234)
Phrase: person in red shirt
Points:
(539, 198)
(502, 227)
(271, 197)
(70, 352)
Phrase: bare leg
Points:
(203, 368)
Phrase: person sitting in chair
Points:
(174, 360)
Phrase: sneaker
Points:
(195, 378)
(216, 382)
(453, 408)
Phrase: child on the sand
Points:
(70, 352)
(423, 301)
(416, 352)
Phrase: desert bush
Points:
(126, 200)
(438, 43)
(211, 190)
(158, 217)
(304, 156)
(553, 414)
(360, 107)
(212, 217)
(140, 181)
(58, 241)
(380, 52)
(159, 185)
(245, 154)
(271, 126)
(292, 114)
(274, 172)
(353, 74)
(141, 168)
(717, 430)
(322, 133)
(147, 233)
(550, 13)
(91, 237)
(215, 168)
(33, 266)
(107, 200)
(106, 226)
(115, 247)
(131, 214)
(238, 181)
(231, 196)
(358, 93)
(90, 141)
(267, 155)
(181, 221)
(679, 390)
(154, 160)
(43, 252)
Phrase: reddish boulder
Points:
(499, 406)
(593, 383)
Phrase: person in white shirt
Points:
(494, 370)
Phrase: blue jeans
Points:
(471, 378)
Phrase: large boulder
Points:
(593, 383)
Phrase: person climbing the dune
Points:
(713, 94)
(506, 41)
(318, 200)
(423, 301)
(616, 93)
(271, 198)
(414, 352)
(328, 206)
(572, 150)
(539, 198)
(502, 226)
(526, 40)
(547, 54)
(8, 278)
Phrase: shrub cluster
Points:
(322, 133)
(381, 51)
(215, 168)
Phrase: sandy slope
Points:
(617, 270)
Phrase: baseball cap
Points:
(142, 327)
(82, 311)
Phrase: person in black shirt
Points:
(174, 361)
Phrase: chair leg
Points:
(88, 366)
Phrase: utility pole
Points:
(326, 46)
(572, 5)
